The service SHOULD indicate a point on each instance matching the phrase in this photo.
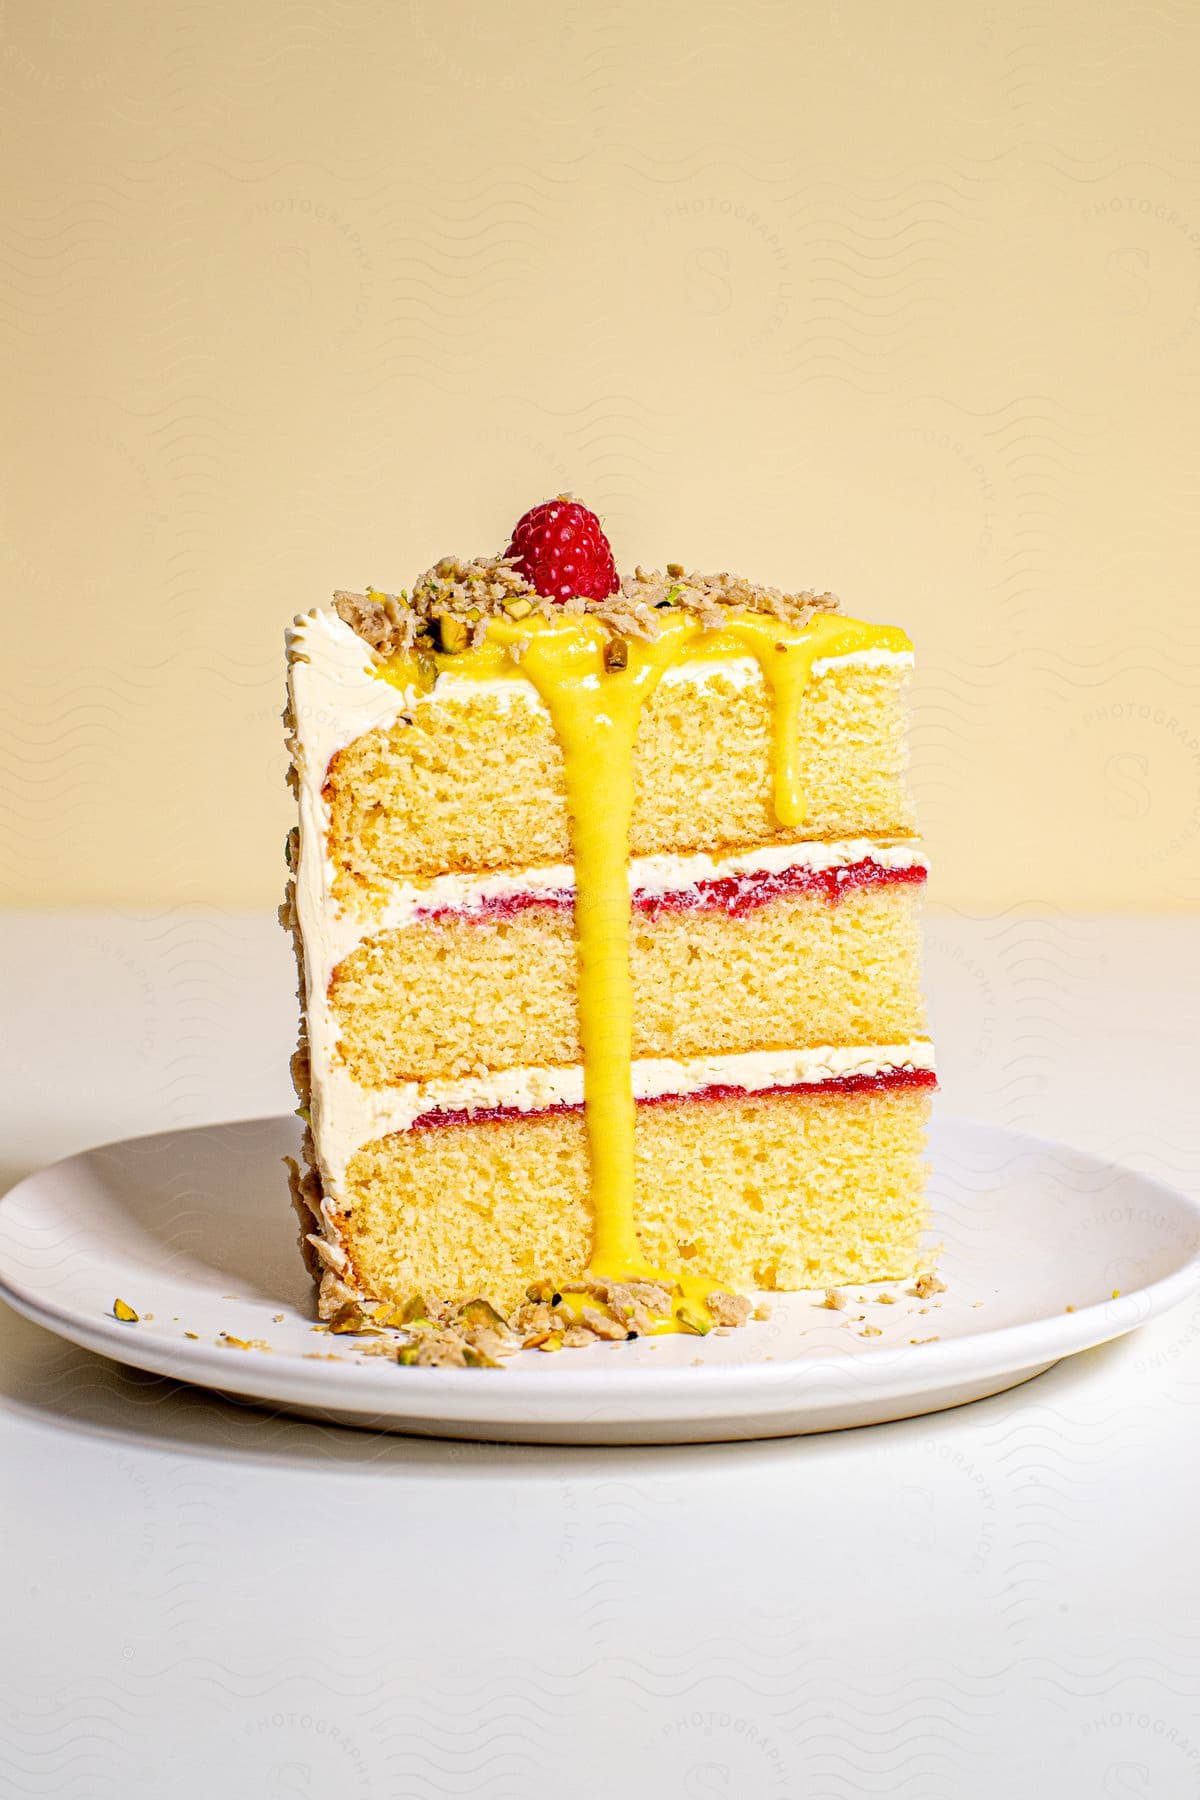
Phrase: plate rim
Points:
(637, 1395)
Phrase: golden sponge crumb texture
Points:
(453, 996)
(769, 1191)
(475, 781)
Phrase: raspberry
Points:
(560, 548)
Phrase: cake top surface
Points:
(559, 565)
(492, 587)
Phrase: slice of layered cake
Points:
(605, 898)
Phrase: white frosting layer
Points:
(336, 694)
(743, 671)
(653, 876)
(669, 874)
(335, 697)
(367, 1113)
(505, 690)
(879, 658)
(738, 671)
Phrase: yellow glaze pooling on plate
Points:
(595, 711)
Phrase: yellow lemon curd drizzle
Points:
(595, 712)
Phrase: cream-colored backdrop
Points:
(899, 299)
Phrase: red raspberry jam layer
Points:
(884, 1082)
(730, 894)
(736, 894)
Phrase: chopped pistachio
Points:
(518, 607)
(427, 671)
(123, 1311)
(388, 1315)
(616, 652)
(453, 632)
(415, 1311)
(406, 1356)
(351, 1321)
(675, 571)
(476, 1359)
(692, 1321)
(481, 1312)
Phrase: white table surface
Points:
(200, 1599)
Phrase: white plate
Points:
(193, 1229)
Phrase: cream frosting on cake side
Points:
(402, 902)
(354, 1115)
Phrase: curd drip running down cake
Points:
(605, 901)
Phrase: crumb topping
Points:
(434, 1334)
(450, 604)
(730, 1309)
(925, 1286)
